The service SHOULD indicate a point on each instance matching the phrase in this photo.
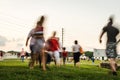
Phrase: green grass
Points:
(17, 70)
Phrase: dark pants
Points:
(22, 58)
(76, 57)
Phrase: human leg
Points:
(64, 60)
(32, 61)
(57, 57)
(113, 65)
(43, 59)
(39, 59)
(76, 59)
(112, 54)
(22, 58)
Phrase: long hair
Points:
(40, 22)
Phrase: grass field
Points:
(17, 70)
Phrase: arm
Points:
(29, 35)
(101, 36)
(27, 41)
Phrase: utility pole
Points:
(62, 36)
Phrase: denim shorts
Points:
(36, 48)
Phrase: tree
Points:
(89, 54)
(13, 52)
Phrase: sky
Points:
(81, 20)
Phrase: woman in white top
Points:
(76, 53)
(37, 44)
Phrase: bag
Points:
(81, 50)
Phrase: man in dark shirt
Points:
(111, 53)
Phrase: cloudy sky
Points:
(82, 20)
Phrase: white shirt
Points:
(32, 41)
(76, 48)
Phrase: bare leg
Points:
(32, 61)
(112, 64)
(43, 59)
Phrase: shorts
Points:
(111, 50)
(76, 57)
(56, 55)
(36, 48)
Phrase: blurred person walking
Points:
(53, 48)
(76, 53)
(22, 54)
(64, 55)
(37, 44)
(111, 52)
